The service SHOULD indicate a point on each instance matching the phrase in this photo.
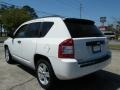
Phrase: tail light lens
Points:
(66, 49)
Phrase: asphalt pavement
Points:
(18, 77)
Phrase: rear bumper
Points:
(71, 69)
(96, 61)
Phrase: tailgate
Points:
(86, 49)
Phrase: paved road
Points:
(1, 44)
(18, 77)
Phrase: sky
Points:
(91, 9)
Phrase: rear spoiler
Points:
(80, 21)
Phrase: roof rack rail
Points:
(52, 16)
(48, 17)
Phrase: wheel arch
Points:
(37, 57)
(5, 46)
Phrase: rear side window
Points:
(29, 31)
(46, 26)
(33, 30)
(78, 29)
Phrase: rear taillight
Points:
(66, 49)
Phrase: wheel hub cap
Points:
(7, 55)
(43, 74)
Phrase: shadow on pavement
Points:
(101, 80)
(28, 70)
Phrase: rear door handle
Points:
(19, 42)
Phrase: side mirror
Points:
(10, 34)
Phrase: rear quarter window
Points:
(46, 26)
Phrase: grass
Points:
(114, 47)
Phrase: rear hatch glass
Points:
(82, 28)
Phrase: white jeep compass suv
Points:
(58, 48)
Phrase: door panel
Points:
(16, 47)
(29, 42)
(17, 41)
(28, 48)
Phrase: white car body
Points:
(48, 46)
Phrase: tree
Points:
(0, 22)
(31, 11)
(111, 28)
(117, 27)
(2, 6)
(13, 17)
(0, 26)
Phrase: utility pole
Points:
(81, 10)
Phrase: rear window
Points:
(82, 28)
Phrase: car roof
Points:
(60, 17)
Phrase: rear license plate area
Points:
(96, 48)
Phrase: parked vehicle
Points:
(109, 35)
(58, 48)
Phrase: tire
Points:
(45, 74)
(8, 57)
